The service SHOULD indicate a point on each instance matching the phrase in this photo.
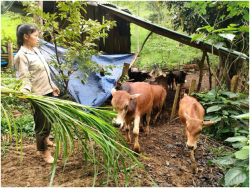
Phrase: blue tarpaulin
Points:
(97, 89)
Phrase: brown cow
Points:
(160, 95)
(191, 114)
(190, 66)
(134, 100)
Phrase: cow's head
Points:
(193, 130)
(121, 100)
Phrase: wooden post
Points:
(125, 69)
(175, 102)
(192, 86)
(210, 75)
(234, 83)
(11, 56)
(38, 19)
(201, 70)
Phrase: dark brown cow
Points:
(134, 100)
(191, 114)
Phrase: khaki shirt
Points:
(34, 71)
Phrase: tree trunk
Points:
(201, 71)
(38, 19)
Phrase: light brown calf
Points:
(134, 100)
(191, 114)
(160, 95)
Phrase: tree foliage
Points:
(66, 27)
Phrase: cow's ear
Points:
(134, 96)
(186, 116)
(113, 90)
(208, 123)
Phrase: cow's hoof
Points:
(128, 141)
(147, 132)
(137, 149)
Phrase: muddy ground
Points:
(168, 164)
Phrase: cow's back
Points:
(145, 101)
(192, 108)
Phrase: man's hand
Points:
(56, 92)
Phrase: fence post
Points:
(11, 56)
(192, 86)
(125, 69)
(175, 102)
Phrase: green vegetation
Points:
(8, 29)
(231, 113)
(158, 49)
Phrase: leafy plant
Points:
(78, 54)
(239, 174)
(224, 107)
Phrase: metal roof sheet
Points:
(170, 33)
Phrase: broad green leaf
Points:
(196, 37)
(236, 138)
(243, 116)
(243, 29)
(243, 131)
(224, 130)
(228, 93)
(242, 162)
(218, 45)
(242, 154)
(224, 160)
(235, 176)
(245, 183)
(213, 108)
(238, 145)
(246, 17)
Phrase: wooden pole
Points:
(210, 75)
(125, 69)
(234, 83)
(136, 55)
(11, 56)
(175, 102)
(37, 19)
(192, 86)
(201, 71)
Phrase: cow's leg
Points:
(127, 128)
(141, 124)
(159, 111)
(136, 133)
(148, 119)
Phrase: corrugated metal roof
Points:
(168, 32)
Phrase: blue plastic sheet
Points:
(97, 89)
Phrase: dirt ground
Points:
(168, 164)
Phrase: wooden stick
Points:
(175, 102)
(11, 57)
(136, 55)
(192, 86)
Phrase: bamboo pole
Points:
(175, 102)
(192, 86)
(10, 56)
